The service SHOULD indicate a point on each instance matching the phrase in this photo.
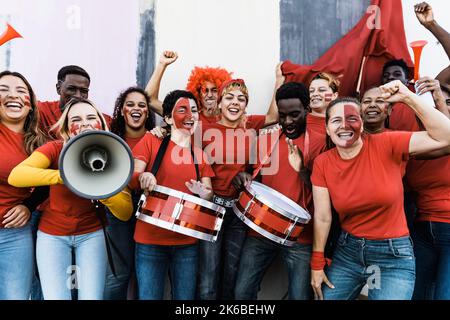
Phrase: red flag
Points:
(377, 38)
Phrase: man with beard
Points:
(204, 83)
(298, 147)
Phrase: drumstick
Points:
(267, 156)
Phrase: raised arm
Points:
(322, 224)
(272, 113)
(424, 13)
(154, 83)
(437, 125)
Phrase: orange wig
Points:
(199, 76)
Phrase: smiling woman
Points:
(19, 136)
(69, 223)
(370, 207)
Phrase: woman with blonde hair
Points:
(69, 222)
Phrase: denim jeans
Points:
(219, 261)
(121, 234)
(387, 266)
(154, 262)
(36, 290)
(257, 255)
(16, 263)
(59, 276)
(432, 250)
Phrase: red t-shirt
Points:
(229, 151)
(367, 191)
(403, 118)
(13, 151)
(66, 214)
(49, 114)
(171, 175)
(131, 142)
(430, 181)
(212, 119)
(316, 124)
(287, 181)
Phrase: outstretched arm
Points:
(272, 113)
(154, 83)
(34, 172)
(424, 13)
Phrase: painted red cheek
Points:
(26, 101)
(74, 129)
(98, 125)
(328, 97)
(355, 125)
(178, 117)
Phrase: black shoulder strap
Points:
(162, 150)
(197, 172)
(159, 156)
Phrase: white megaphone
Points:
(96, 164)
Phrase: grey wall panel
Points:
(309, 27)
(146, 50)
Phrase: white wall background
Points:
(240, 36)
(102, 36)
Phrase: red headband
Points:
(227, 83)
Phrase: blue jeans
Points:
(154, 262)
(121, 233)
(259, 253)
(59, 276)
(432, 250)
(219, 261)
(387, 266)
(36, 290)
(16, 263)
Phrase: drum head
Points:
(278, 202)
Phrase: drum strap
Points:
(160, 155)
(267, 157)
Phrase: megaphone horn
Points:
(96, 164)
(9, 34)
(417, 47)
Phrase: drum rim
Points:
(276, 207)
(197, 200)
(262, 231)
(179, 229)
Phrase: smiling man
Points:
(297, 148)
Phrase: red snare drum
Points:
(271, 213)
(181, 212)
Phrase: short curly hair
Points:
(199, 76)
(172, 97)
